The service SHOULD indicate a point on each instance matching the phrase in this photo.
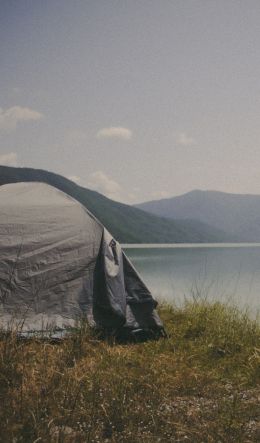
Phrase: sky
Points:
(137, 99)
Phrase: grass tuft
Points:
(199, 385)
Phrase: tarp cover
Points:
(58, 264)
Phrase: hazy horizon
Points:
(137, 100)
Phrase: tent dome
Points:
(58, 264)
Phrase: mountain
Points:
(126, 223)
(236, 214)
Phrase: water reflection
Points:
(226, 272)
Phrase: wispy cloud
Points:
(9, 159)
(16, 114)
(184, 140)
(100, 182)
(75, 178)
(160, 194)
(115, 132)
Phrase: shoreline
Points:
(187, 245)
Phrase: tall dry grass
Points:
(199, 385)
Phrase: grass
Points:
(199, 385)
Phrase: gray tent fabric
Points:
(58, 264)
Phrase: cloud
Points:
(115, 132)
(160, 194)
(184, 140)
(9, 159)
(16, 114)
(74, 178)
(100, 182)
(130, 198)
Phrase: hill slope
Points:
(235, 214)
(127, 224)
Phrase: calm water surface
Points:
(225, 272)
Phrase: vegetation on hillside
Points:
(199, 385)
(126, 223)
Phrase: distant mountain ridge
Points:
(126, 223)
(236, 214)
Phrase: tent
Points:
(59, 265)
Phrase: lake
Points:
(226, 272)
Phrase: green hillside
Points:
(126, 223)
